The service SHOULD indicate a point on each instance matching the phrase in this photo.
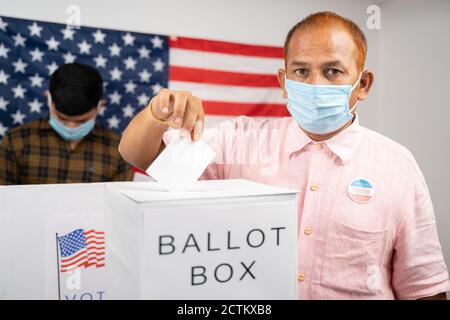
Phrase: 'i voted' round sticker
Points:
(361, 190)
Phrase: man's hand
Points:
(180, 110)
(142, 140)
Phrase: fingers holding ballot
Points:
(181, 163)
(180, 110)
(142, 141)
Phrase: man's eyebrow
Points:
(300, 63)
(334, 63)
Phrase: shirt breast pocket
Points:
(353, 259)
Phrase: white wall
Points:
(414, 87)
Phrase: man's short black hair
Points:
(75, 88)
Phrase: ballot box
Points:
(230, 239)
(223, 239)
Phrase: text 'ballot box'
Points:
(228, 239)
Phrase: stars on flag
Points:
(4, 77)
(69, 57)
(144, 75)
(52, 44)
(19, 66)
(3, 25)
(36, 80)
(144, 53)
(115, 97)
(128, 111)
(128, 39)
(3, 129)
(156, 88)
(115, 50)
(52, 68)
(3, 103)
(19, 41)
(143, 99)
(68, 33)
(35, 29)
(130, 86)
(18, 117)
(113, 122)
(157, 42)
(36, 55)
(35, 105)
(100, 61)
(3, 51)
(99, 37)
(19, 91)
(158, 65)
(84, 47)
(116, 74)
(132, 65)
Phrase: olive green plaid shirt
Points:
(35, 154)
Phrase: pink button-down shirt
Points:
(360, 242)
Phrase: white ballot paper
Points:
(181, 163)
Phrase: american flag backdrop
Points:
(231, 78)
(82, 248)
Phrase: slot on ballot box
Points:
(223, 239)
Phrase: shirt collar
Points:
(343, 145)
(296, 138)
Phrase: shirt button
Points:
(313, 187)
(318, 146)
(301, 277)
(307, 231)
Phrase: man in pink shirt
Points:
(367, 227)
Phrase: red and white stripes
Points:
(232, 79)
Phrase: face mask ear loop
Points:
(356, 83)
(353, 88)
(354, 106)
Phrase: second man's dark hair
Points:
(75, 88)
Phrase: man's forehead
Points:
(83, 116)
(325, 42)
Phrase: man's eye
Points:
(333, 72)
(301, 72)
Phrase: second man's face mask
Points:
(319, 109)
(67, 133)
(72, 134)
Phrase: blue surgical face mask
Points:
(319, 109)
(67, 133)
(72, 134)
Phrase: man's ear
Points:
(50, 103)
(365, 84)
(100, 106)
(281, 76)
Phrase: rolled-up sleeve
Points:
(419, 268)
